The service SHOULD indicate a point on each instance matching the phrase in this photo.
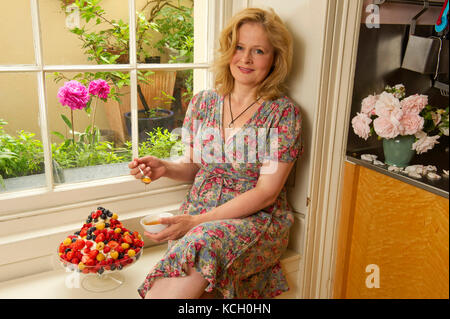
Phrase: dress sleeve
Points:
(289, 131)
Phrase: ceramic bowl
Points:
(151, 222)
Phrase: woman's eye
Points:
(238, 48)
(259, 51)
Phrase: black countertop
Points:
(438, 157)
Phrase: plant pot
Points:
(398, 151)
(147, 124)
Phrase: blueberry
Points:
(103, 216)
(76, 233)
(101, 270)
(93, 237)
(113, 267)
(67, 250)
(89, 237)
(107, 225)
(100, 208)
(120, 267)
(121, 255)
(74, 240)
(108, 213)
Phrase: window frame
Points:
(37, 201)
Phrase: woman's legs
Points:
(191, 286)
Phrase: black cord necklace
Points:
(231, 124)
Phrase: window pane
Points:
(98, 145)
(162, 107)
(21, 151)
(84, 32)
(16, 33)
(165, 31)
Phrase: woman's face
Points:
(253, 56)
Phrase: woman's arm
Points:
(263, 195)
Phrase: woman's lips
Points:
(245, 70)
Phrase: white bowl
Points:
(152, 218)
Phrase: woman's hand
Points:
(152, 167)
(178, 227)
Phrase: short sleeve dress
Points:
(238, 257)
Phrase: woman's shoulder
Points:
(207, 94)
(285, 104)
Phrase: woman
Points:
(235, 220)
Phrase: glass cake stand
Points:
(98, 278)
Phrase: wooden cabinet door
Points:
(394, 230)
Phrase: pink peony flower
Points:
(411, 123)
(387, 105)
(424, 142)
(100, 88)
(74, 95)
(361, 125)
(414, 103)
(368, 104)
(385, 128)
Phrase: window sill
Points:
(52, 284)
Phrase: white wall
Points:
(305, 19)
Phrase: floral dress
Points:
(238, 257)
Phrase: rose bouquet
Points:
(391, 114)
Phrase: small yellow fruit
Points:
(67, 241)
(114, 254)
(100, 226)
(81, 266)
(125, 245)
(131, 253)
(118, 230)
(100, 245)
(100, 257)
(114, 216)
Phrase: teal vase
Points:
(398, 151)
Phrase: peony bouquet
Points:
(391, 114)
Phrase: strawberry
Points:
(75, 261)
(85, 259)
(79, 244)
(70, 255)
(89, 244)
(86, 250)
(127, 239)
(93, 254)
(106, 249)
(99, 238)
(113, 244)
(83, 232)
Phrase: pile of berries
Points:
(102, 244)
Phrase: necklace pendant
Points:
(231, 125)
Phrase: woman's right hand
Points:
(152, 167)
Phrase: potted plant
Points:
(111, 45)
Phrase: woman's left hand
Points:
(178, 227)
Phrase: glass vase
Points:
(398, 151)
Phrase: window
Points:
(71, 155)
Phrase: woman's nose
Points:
(247, 57)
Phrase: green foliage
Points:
(110, 45)
(160, 143)
(19, 156)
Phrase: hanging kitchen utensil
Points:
(442, 21)
(422, 54)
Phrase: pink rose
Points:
(385, 128)
(99, 88)
(387, 104)
(424, 142)
(414, 103)
(360, 124)
(411, 123)
(74, 95)
(368, 104)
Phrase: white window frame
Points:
(38, 200)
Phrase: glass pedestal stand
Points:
(103, 282)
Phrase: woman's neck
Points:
(243, 95)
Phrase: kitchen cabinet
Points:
(393, 239)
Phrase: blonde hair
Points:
(273, 85)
